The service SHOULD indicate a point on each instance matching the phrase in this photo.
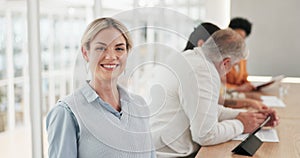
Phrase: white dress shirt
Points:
(185, 109)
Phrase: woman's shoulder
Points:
(61, 109)
(61, 121)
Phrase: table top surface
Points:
(288, 132)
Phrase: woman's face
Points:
(107, 55)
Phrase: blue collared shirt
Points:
(63, 127)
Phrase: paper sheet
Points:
(272, 101)
(275, 79)
(265, 135)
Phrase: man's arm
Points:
(200, 103)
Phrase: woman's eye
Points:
(100, 48)
(120, 49)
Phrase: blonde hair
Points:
(100, 24)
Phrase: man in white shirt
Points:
(185, 109)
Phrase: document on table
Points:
(265, 135)
(272, 101)
(276, 79)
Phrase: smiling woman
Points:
(107, 55)
(92, 121)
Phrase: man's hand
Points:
(245, 103)
(251, 120)
(251, 103)
(246, 87)
(274, 121)
(254, 96)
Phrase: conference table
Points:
(288, 132)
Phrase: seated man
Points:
(235, 99)
(185, 109)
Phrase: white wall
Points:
(274, 43)
(217, 12)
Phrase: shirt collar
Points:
(89, 93)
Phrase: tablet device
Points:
(250, 145)
(273, 80)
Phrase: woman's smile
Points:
(109, 67)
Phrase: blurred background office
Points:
(24, 101)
